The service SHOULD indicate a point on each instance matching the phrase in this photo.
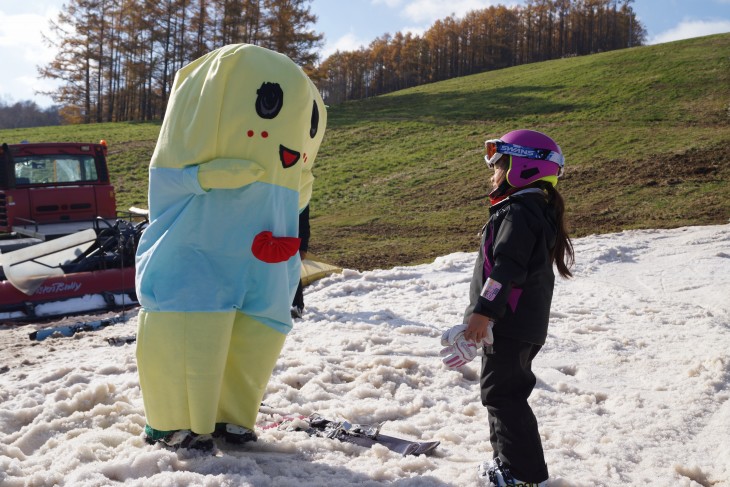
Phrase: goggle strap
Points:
(527, 152)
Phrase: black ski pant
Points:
(299, 296)
(506, 383)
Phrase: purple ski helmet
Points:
(533, 157)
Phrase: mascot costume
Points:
(218, 266)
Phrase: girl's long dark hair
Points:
(563, 254)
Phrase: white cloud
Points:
(432, 10)
(388, 3)
(22, 31)
(22, 47)
(347, 42)
(416, 31)
(692, 28)
(421, 13)
(351, 42)
(428, 11)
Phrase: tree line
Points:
(24, 114)
(492, 38)
(116, 59)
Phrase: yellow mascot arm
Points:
(228, 173)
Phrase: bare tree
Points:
(286, 30)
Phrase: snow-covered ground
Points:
(633, 383)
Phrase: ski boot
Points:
(493, 473)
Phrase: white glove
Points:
(458, 350)
(448, 337)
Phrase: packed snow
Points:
(633, 382)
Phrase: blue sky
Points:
(346, 24)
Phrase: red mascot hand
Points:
(271, 250)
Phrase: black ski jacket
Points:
(515, 254)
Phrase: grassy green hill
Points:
(401, 178)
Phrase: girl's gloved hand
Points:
(458, 350)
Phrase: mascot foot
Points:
(179, 439)
(234, 434)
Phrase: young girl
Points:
(510, 297)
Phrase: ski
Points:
(71, 330)
(122, 340)
(365, 435)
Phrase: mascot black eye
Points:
(269, 100)
(315, 120)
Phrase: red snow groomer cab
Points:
(61, 238)
(52, 189)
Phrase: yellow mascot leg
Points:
(181, 359)
(252, 356)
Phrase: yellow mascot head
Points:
(245, 103)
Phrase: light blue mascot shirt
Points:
(195, 279)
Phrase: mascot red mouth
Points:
(288, 157)
(272, 250)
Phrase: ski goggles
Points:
(494, 148)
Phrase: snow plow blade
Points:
(27, 268)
